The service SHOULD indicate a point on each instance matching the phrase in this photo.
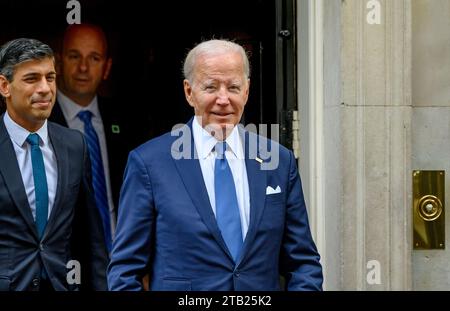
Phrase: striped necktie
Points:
(98, 174)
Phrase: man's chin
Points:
(42, 115)
(81, 90)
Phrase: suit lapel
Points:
(57, 115)
(13, 178)
(110, 120)
(62, 156)
(189, 170)
(106, 119)
(191, 175)
(115, 145)
(257, 181)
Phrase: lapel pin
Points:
(115, 129)
(259, 160)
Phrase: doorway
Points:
(148, 51)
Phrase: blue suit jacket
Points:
(166, 226)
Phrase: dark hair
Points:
(21, 50)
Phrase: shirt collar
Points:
(19, 135)
(204, 142)
(71, 109)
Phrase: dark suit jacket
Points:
(166, 223)
(118, 144)
(22, 254)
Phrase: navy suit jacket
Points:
(166, 226)
(22, 253)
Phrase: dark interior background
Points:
(148, 42)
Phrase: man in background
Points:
(84, 63)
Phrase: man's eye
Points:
(234, 88)
(51, 79)
(30, 80)
(73, 56)
(210, 87)
(95, 59)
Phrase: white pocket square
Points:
(270, 190)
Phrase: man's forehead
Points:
(84, 50)
(85, 40)
(226, 79)
(208, 74)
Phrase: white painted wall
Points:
(367, 144)
(319, 109)
(355, 159)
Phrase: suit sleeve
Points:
(299, 257)
(97, 255)
(132, 244)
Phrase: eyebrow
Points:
(33, 74)
(235, 82)
(90, 53)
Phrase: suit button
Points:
(35, 282)
(41, 247)
(237, 273)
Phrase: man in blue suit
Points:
(206, 210)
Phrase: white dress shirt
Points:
(22, 149)
(204, 144)
(70, 110)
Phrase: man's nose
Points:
(223, 97)
(83, 65)
(44, 86)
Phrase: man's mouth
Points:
(42, 103)
(81, 80)
(222, 114)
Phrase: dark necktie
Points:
(227, 208)
(98, 174)
(40, 183)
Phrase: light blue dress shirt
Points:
(22, 149)
(204, 144)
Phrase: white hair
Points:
(212, 47)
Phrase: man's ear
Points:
(188, 92)
(107, 68)
(247, 91)
(58, 63)
(4, 86)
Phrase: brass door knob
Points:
(430, 208)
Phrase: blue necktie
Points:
(227, 208)
(40, 183)
(98, 174)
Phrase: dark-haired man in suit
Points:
(44, 172)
